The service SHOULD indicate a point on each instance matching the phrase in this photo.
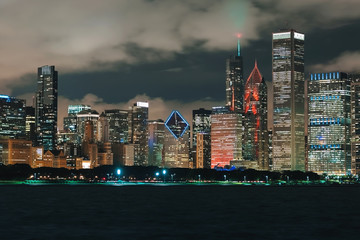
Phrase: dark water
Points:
(179, 212)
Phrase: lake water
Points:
(179, 212)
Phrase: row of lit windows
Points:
(323, 76)
(328, 121)
(325, 98)
(326, 146)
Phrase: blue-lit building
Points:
(355, 123)
(156, 129)
(176, 142)
(329, 122)
(12, 117)
(47, 107)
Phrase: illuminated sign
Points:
(281, 35)
(142, 104)
(299, 36)
(176, 124)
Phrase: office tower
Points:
(47, 107)
(89, 147)
(15, 151)
(329, 123)
(70, 122)
(81, 118)
(12, 117)
(288, 88)
(226, 135)
(105, 155)
(355, 123)
(156, 129)
(235, 81)
(118, 125)
(102, 129)
(177, 141)
(256, 136)
(201, 124)
(30, 124)
(138, 132)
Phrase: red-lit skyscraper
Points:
(256, 137)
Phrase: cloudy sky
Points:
(172, 53)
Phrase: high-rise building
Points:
(235, 81)
(226, 136)
(201, 124)
(288, 87)
(70, 122)
(12, 117)
(47, 107)
(138, 133)
(84, 116)
(176, 141)
(256, 136)
(355, 123)
(329, 123)
(156, 131)
(102, 129)
(30, 124)
(118, 125)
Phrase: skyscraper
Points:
(118, 125)
(329, 123)
(12, 117)
(235, 81)
(156, 131)
(201, 124)
(288, 87)
(355, 123)
(138, 132)
(226, 134)
(256, 136)
(47, 107)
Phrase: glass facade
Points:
(329, 123)
(12, 117)
(256, 137)
(288, 88)
(226, 137)
(47, 107)
(156, 131)
(201, 124)
(118, 125)
(355, 123)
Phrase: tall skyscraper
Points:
(256, 136)
(30, 124)
(138, 132)
(235, 81)
(226, 135)
(47, 107)
(329, 123)
(288, 87)
(176, 141)
(12, 117)
(156, 131)
(355, 123)
(118, 125)
(201, 124)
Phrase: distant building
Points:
(105, 155)
(176, 141)
(47, 107)
(30, 120)
(102, 129)
(288, 88)
(235, 81)
(118, 125)
(329, 123)
(355, 123)
(201, 123)
(15, 151)
(84, 116)
(226, 137)
(138, 117)
(70, 122)
(12, 117)
(156, 129)
(256, 136)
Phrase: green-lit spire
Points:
(238, 47)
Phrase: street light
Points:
(157, 175)
(267, 179)
(199, 177)
(164, 172)
(118, 172)
(224, 177)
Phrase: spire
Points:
(238, 46)
(255, 63)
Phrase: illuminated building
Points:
(12, 117)
(70, 122)
(138, 132)
(102, 131)
(47, 107)
(288, 87)
(226, 136)
(235, 81)
(118, 125)
(329, 123)
(355, 123)
(89, 147)
(105, 155)
(30, 124)
(53, 158)
(129, 154)
(156, 131)
(15, 151)
(84, 116)
(256, 137)
(201, 123)
(176, 141)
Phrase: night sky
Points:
(112, 53)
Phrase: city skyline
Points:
(157, 57)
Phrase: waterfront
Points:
(165, 211)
